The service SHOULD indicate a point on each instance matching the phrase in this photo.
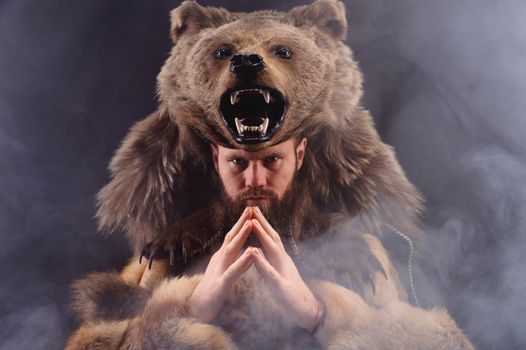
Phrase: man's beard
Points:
(278, 212)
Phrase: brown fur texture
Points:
(163, 187)
(251, 319)
(162, 171)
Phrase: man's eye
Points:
(271, 160)
(238, 161)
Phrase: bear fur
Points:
(166, 157)
(165, 195)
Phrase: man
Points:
(264, 284)
(256, 179)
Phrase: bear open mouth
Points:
(252, 114)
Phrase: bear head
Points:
(247, 80)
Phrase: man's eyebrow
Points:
(233, 156)
(273, 154)
(264, 154)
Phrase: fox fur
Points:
(378, 318)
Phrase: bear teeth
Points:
(264, 126)
(266, 96)
(233, 97)
(262, 129)
(235, 94)
(239, 126)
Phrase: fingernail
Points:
(257, 209)
(246, 210)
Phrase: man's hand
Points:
(282, 274)
(222, 271)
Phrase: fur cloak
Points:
(119, 314)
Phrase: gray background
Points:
(445, 81)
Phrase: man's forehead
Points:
(280, 148)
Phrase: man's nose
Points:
(255, 175)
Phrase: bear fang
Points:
(234, 95)
(262, 128)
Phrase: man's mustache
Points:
(257, 193)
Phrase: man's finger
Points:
(233, 247)
(266, 241)
(265, 268)
(238, 267)
(247, 214)
(266, 225)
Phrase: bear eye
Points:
(283, 52)
(223, 53)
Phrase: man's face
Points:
(258, 178)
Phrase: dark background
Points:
(445, 81)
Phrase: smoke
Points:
(444, 80)
(57, 132)
(481, 260)
(33, 327)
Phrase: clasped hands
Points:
(273, 263)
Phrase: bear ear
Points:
(190, 18)
(326, 15)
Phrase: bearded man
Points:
(254, 291)
(258, 180)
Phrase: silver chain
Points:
(409, 262)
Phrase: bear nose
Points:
(246, 64)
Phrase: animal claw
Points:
(184, 253)
(371, 280)
(172, 257)
(152, 256)
(145, 252)
(150, 262)
(377, 265)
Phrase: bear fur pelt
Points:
(162, 173)
(350, 194)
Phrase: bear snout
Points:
(246, 64)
